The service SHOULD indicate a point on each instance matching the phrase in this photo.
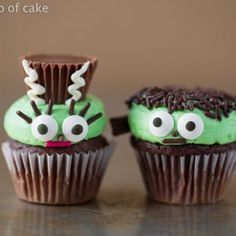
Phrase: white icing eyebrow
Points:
(36, 89)
(79, 82)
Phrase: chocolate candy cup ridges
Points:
(54, 74)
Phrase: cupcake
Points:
(56, 152)
(185, 142)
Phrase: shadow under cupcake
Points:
(57, 153)
(184, 141)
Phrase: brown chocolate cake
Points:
(57, 153)
(185, 142)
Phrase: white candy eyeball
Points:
(190, 126)
(75, 128)
(161, 124)
(44, 127)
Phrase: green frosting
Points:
(215, 131)
(19, 130)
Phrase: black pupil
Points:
(157, 122)
(77, 129)
(190, 126)
(42, 129)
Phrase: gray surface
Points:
(120, 209)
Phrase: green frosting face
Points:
(59, 128)
(193, 127)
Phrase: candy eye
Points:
(44, 128)
(161, 124)
(190, 126)
(75, 128)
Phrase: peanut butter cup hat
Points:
(57, 153)
(60, 77)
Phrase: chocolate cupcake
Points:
(185, 141)
(57, 153)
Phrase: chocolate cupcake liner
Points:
(54, 74)
(187, 180)
(57, 179)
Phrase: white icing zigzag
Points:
(36, 89)
(78, 83)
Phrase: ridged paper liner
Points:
(55, 74)
(187, 180)
(58, 179)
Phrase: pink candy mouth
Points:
(58, 144)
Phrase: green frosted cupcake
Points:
(184, 141)
(57, 153)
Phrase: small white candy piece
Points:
(75, 128)
(161, 124)
(50, 127)
(190, 126)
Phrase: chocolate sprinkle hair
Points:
(50, 106)
(214, 104)
(37, 112)
(72, 107)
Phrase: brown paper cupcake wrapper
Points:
(57, 178)
(193, 179)
(55, 72)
